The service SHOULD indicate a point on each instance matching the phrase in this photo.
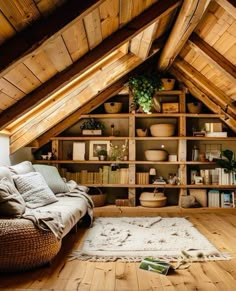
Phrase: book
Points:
(227, 199)
(156, 266)
(213, 198)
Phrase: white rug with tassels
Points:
(133, 238)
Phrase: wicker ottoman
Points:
(23, 246)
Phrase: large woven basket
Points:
(23, 246)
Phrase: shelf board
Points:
(106, 162)
(210, 138)
(106, 115)
(94, 137)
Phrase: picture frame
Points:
(96, 145)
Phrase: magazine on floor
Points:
(152, 265)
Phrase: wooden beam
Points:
(188, 18)
(228, 5)
(202, 96)
(92, 104)
(33, 36)
(120, 37)
(206, 86)
(213, 57)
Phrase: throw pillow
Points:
(11, 202)
(52, 177)
(22, 168)
(34, 189)
(5, 172)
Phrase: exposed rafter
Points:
(92, 104)
(206, 87)
(33, 36)
(188, 18)
(126, 33)
(203, 97)
(216, 59)
(229, 6)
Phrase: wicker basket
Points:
(99, 199)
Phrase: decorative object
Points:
(143, 88)
(194, 107)
(95, 146)
(172, 158)
(162, 129)
(44, 157)
(168, 83)
(200, 195)
(156, 155)
(152, 199)
(119, 152)
(113, 107)
(92, 127)
(141, 132)
(170, 107)
(78, 151)
(133, 238)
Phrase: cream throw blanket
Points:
(51, 220)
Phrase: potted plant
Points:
(102, 155)
(228, 163)
(92, 127)
(143, 88)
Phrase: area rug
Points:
(134, 238)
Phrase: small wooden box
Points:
(122, 202)
(170, 107)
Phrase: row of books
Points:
(217, 176)
(105, 175)
(224, 199)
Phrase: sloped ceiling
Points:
(59, 59)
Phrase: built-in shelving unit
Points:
(126, 123)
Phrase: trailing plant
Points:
(143, 88)
(227, 161)
(92, 124)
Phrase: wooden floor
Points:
(219, 226)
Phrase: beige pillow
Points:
(34, 189)
(11, 202)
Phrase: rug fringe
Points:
(183, 258)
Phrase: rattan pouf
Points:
(23, 246)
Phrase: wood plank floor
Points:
(218, 226)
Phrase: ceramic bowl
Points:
(162, 129)
(141, 132)
(113, 107)
(156, 155)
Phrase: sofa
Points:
(37, 209)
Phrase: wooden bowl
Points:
(113, 107)
(168, 83)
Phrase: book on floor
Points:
(156, 266)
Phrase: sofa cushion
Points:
(34, 189)
(11, 202)
(5, 172)
(22, 168)
(52, 177)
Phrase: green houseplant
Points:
(92, 127)
(143, 88)
(227, 161)
(102, 155)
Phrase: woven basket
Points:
(99, 199)
(23, 246)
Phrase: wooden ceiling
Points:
(59, 59)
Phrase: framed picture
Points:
(97, 145)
